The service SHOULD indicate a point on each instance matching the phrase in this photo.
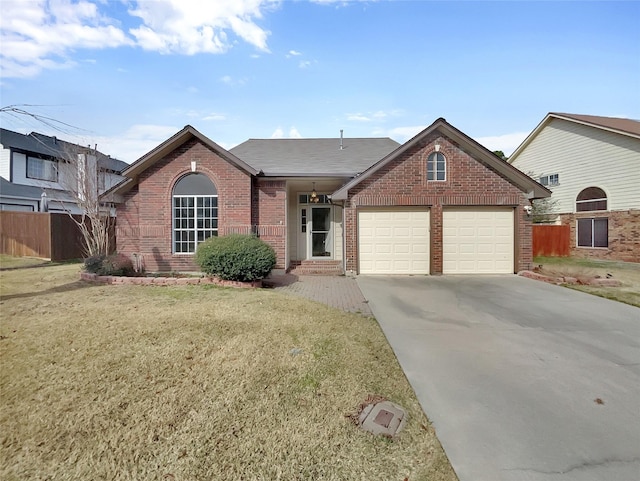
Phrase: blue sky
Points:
(129, 74)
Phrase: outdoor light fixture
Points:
(314, 195)
(194, 166)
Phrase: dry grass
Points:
(194, 383)
(627, 273)
(10, 262)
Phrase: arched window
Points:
(591, 198)
(436, 167)
(195, 212)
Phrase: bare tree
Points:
(95, 221)
(79, 174)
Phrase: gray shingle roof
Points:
(10, 189)
(53, 147)
(306, 157)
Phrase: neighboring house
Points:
(592, 166)
(40, 173)
(440, 203)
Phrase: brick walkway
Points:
(341, 292)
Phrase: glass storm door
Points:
(320, 231)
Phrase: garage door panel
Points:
(478, 240)
(393, 241)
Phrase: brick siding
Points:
(624, 235)
(144, 219)
(469, 183)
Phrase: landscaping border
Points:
(166, 281)
(570, 280)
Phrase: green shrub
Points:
(111, 265)
(93, 264)
(236, 257)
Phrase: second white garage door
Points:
(393, 241)
(477, 240)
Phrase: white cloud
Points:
(40, 34)
(193, 26)
(379, 115)
(279, 133)
(229, 80)
(358, 117)
(132, 144)
(304, 64)
(43, 34)
(294, 134)
(506, 142)
(214, 116)
(293, 53)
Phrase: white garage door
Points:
(393, 241)
(477, 240)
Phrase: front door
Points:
(320, 244)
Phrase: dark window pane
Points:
(591, 205)
(321, 219)
(591, 193)
(195, 184)
(440, 175)
(600, 232)
(584, 232)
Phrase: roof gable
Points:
(621, 126)
(470, 146)
(318, 157)
(187, 133)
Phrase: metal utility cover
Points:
(384, 418)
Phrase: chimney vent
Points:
(341, 143)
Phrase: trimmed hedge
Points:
(236, 257)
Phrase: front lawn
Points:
(194, 383)
(628, 273)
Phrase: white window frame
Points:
(551, 179)
(434, 170)
(42, 169)
(195, 229)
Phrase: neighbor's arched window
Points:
(195, 212)
(591, 198)
(436, 166)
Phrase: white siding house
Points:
(592, 166)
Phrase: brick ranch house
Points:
(441, 203)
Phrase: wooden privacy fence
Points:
(551, 240)
(48, 235)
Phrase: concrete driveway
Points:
(522, 380)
